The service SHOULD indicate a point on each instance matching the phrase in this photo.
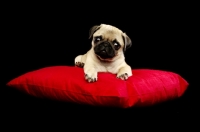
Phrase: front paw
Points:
(79, 61)
(91, 76)
(79, 64)
(124, 73)
(123, 76)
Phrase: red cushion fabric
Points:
(67, 83)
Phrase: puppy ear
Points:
(127, 41)
(93, 30)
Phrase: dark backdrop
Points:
(48, 35)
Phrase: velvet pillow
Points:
(67, 83)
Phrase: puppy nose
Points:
(106, 44)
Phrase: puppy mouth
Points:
(104, 55)
(104, 59)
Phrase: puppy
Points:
(106, 54)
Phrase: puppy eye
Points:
(116, 45)
(96, 39)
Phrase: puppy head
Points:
(108, 41)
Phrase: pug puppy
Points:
(106, 54)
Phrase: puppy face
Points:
(108, 41)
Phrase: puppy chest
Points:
(110, 69)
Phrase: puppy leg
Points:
(124, 72)
(80, 60)
(90, 74)
(90, 70)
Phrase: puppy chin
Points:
(106, 59)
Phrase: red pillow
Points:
(66, 83)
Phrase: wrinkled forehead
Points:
(109, 32)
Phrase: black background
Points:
(38, 35)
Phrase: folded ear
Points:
(93, 30)
(127, 41)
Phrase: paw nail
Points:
(89, 80)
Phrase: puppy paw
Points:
(91, 76)
(124, 73)
(123, 76)
(79, 64)
(79, 61)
